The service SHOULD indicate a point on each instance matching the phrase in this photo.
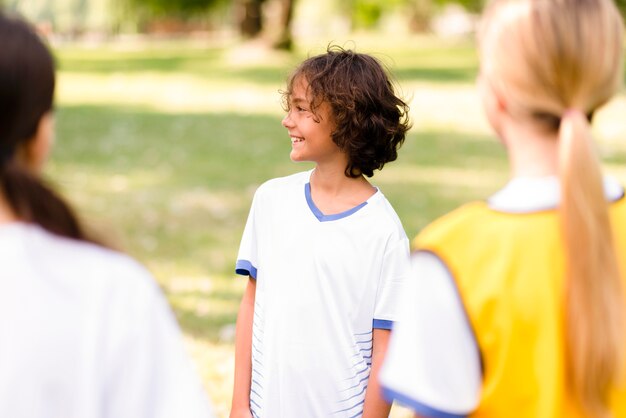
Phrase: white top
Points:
(433, 361)
(323, 283)
(86, 333)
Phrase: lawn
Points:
(162, 145)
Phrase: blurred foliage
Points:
(180, 8)
(75, 17)
(65, 15)
(621, 4)
(366, 14)
(470, 5)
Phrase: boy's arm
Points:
(243, 354)
(375, 406)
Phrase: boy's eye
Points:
(300, 109)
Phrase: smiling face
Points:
(310, 130)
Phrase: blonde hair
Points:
(555, 62)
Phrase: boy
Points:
(325, 252)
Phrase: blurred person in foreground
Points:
(517, 308)
(84, 331)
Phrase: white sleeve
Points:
(394, 275)
(247, 258)
(433, 363)
(148, 372)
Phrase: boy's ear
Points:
(37, 149)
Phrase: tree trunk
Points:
(285, 39)
(250, 17)
(421, 14)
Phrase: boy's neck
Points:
(334, 192)
(328, 178)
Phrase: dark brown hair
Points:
(26, 95)
(371, 121)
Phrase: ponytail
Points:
(595, 313)
(34, 202)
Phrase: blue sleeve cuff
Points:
(417, 407)
(382, 324)
(245, 268)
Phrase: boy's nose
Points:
(287, 122)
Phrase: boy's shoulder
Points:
(387, 218)
(280, 184)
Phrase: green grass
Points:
(161, 147)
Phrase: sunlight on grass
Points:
(479, 178)
(455, 108)
(179, 93)
(215, 364)
(609, 124)
(80, 177)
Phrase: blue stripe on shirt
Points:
(418, 407)
(245, 268)
(382, 324)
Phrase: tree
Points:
(285, 38)
(250, 17)
(251, 20)
(421, 11)
(366, 14)
(180, 8)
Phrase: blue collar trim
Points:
(325, 218)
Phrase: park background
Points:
(168, 119)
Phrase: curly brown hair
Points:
(370, 120)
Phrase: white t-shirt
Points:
(433, 362)
(323, 283)
(86, 333)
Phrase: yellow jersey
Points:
(509, 271)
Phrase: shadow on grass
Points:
(438, 75)
(130, 63)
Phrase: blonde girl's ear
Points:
(37, 150)
(494, 104)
